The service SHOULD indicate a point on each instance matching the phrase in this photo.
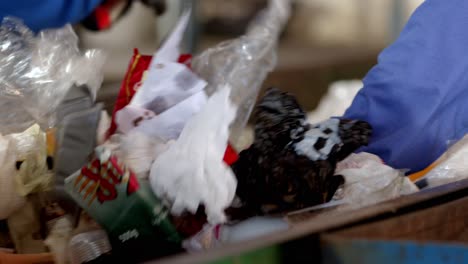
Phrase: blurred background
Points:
(324, 40)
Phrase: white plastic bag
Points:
(192, 172)
(244, 62)
(368, 181)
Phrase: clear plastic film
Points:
(36, 72)
(244, 62)
(452, 166)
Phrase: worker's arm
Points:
(416, 97)
(42, 14)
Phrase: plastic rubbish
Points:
(124, 206)
(37, 71)
(139, 151)
(291, 163)
(76, 139)
(334, 103)
(89, 246)
(244, 62)
(218, 235)
(452, 166)
(167, 84)
(10, 200)
(135, 76)
(192, 172)
(166, 126)
(33, 173)
(368, 181)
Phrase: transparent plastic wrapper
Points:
(244, 62)
(452, 166)
(10, 200)
(368, 181)
(88, 246)
(37, 71)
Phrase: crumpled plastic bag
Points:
(244, 62)
(170, 94)
(452, 166)
(368, 181)
(10, 200)
(192, 172)
(33, 173)
(36, 71)
(339, 97)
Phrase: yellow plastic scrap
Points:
(33, 174)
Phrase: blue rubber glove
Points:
(42, 14)
(416, 97)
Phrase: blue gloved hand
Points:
(416, 97)
(43, 14)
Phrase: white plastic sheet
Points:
(368, 181)
(192, 172)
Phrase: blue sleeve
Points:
(42, 14)
(416, 97)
